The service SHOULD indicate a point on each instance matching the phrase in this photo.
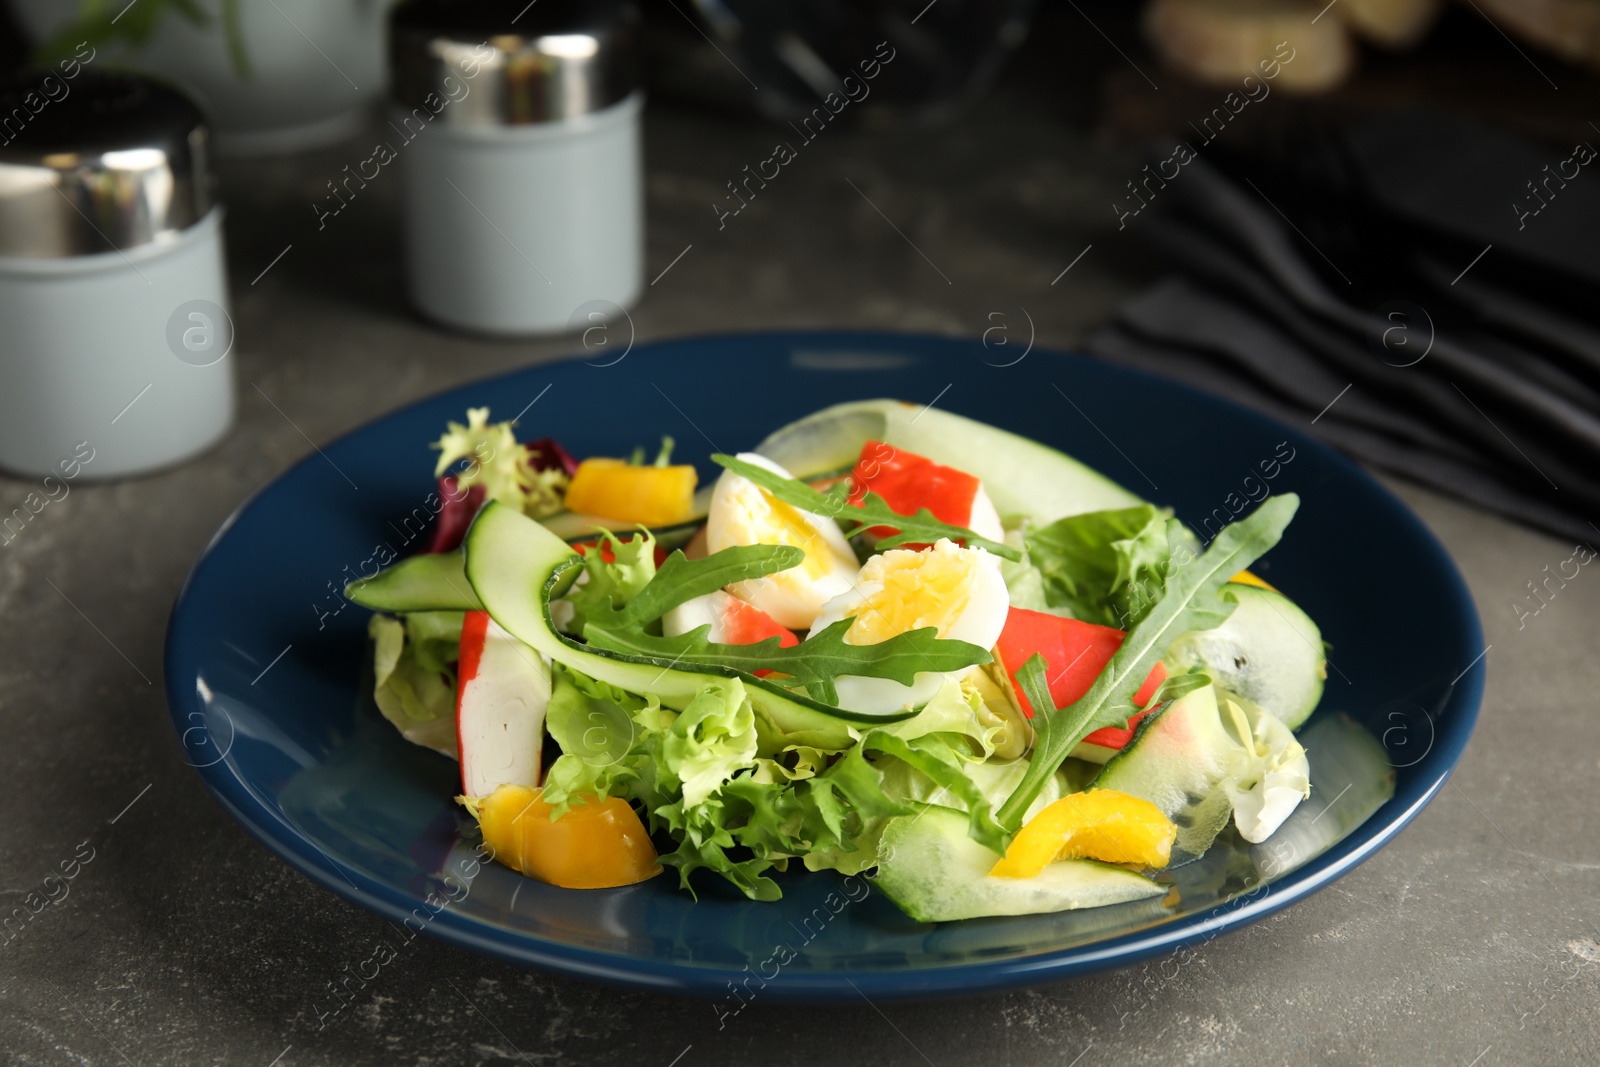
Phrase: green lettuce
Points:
(732, 801)
(712, 738)
(956, 730)
(1024, 583)
(957, 711)
(739, 814)
(595, 725)
(414, 678)
(602, 587)
(1190, 597)
(1105, 567)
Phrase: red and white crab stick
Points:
(503, 687)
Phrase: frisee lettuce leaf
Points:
(698, 776)
(921, 528)
(606, 587)
(1190, 599)
(711, 738)
(499, 463)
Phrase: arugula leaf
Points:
(921, 528)
(813, 663)
(1031, 679)
(1191, 598)
(681, 579)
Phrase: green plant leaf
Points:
(814, 663)
(921, 528)
(680, 579)
(498, 463)
(1103, 566)
(233, 33)
(612, 585)
(1191, 599)
(943, 768)
(108, 22)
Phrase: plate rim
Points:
(703, 980)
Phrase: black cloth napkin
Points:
(1417, 291)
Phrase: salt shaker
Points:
(114, 328)
(517, 129)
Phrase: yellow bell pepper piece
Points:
(597, 844)
(1101, 824)
(650, 496)
(1250, 578)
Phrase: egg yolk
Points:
(784, 524)
(914, 590)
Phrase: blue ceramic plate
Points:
(266, 673)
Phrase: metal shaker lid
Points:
(497, 63)
(98, 162)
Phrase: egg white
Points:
(743, 514)
(984, 520)
(706, 610)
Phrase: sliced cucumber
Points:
(1024, 478)
(1178, 760)
(516, 565)
(935, 872)
(435, 581)
(1268, 651)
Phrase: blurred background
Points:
(1387, 196)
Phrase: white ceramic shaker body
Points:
(509, 231)
(523, 163)
(114, 327)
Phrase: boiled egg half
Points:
(956, 590)
(742, 513)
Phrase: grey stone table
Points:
(1469, 941)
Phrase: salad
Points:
(888, 638)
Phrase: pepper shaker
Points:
(517, 126)
(113, 296)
